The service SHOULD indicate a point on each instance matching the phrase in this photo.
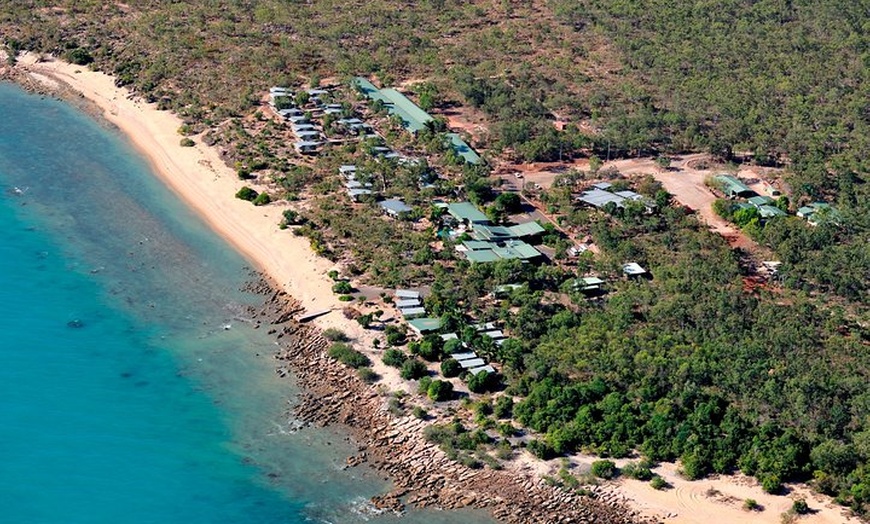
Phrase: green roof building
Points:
(463, 149)
(732, 186)
(425, 325)
(820, 212)
(413, 117)
(466, 212)
(369, 89)
(484, 251)
(588, 284)
(529, 229)
(770, 212)
(482, 256)
(759, 201)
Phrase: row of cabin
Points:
(356, 189)
(468, 359)
(409, 303)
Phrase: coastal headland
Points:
(297, 281)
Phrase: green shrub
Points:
(770, 483)
(348, 356)
(79, 56)
(262, 199)
(637, 471)
(504, 407)
(342, 288)
(395, 336)
(368, 375)
(483, 382)
(751, 505)
(541, 449)
(413, 369)
(187, 142)
(429, 348)
(482, 409)
(440, 390)
(335, 335)
(293, 218)
(346, 298)
(394, 358)
(246, 193)
(504, 451)
(800, 507)
(658, 483)
(452, 346)
(604, 469)
(506, 429)
(451, 368)
(419, 413)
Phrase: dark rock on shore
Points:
(422, 474)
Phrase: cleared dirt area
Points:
(685, 179)
(464, 119)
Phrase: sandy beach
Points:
(199, 176)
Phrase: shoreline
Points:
(202, 180)
(333, 394)
(294, 279)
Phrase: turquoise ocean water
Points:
(122, 398)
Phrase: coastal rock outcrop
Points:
(422, 474)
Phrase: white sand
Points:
(715, 500)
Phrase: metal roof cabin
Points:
(395, 207)
(407, 293)
(733, 187)
(307, 134)
(472, 363)
(633, 269)
(494, 334)
(599, 198)
(588, 284)
(408, 302)
(355, 193)
(304, 146)
(629, 195)
(412, 312)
